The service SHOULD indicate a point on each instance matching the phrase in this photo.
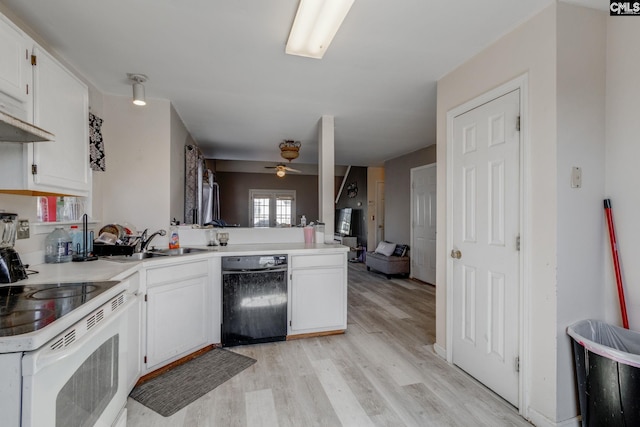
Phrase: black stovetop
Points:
(27, 308)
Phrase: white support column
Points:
(326, 176)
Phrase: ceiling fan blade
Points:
(288, 169)
(271, 167)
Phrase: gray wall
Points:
(397, 193)
(235, 186)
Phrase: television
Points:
(344, 221)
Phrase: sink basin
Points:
(156, 253)
(178, 251)
(138, 256)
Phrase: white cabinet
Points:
(15, 71)
(178, 311)
(318, 293)
(54, 99)
(61, 106)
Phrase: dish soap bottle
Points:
(174, 239)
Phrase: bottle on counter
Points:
(303, 221)
(57, 247)
(76, 240)
(174, 237)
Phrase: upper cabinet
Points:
(61, 106)
(55, 100)
(15, 71)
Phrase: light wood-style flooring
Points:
(381, 372)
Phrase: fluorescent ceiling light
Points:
(315, 25)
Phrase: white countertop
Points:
(103, 269)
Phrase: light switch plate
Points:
(576, 177)
(23, 229)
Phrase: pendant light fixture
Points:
(138, 88)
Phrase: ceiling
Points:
(222, 65)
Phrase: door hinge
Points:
(145, 359)
(518, 124)
(34, 169)
(145, 297)
(27, 86)
(517, 363)
(290, 323)
(34, 60)
(518, 243)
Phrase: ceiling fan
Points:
(288, 150)
(281, 169)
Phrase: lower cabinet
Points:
(178, 321)
(318, 293)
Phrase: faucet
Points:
(144, 240)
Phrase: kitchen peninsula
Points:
(173, 304)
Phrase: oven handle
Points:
(256, 270)
(47, 356)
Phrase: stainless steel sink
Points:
(156, 253)
(138, 256)
(178, 251)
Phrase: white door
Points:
(486, 200)
(423, 223)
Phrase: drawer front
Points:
(177, 272)
(314, 261)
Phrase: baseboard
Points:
(440, 351)
(540, 420)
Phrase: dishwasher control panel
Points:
(253, 262)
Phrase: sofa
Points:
(389, 259)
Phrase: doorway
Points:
(423, 223)
(484, 274)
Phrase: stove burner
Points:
(25, 317)
(63, 291)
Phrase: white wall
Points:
(136, 184)
(530, 49)
(179, 138)
(581, 59)
(622, 154)
(563, 51)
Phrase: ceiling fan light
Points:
(280, 173)
(315, 25)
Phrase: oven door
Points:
(82, 383)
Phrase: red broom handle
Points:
(616, 261)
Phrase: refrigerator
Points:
(201, 192)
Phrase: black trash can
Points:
(607, 363)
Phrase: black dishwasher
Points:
(254, 299)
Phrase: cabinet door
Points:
(61, 106)
(318, 300)
(15, 72)
(176, 319)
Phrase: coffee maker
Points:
(11, 268)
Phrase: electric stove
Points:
(28, 308)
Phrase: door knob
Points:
(456, 254)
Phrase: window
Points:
(272, 208)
